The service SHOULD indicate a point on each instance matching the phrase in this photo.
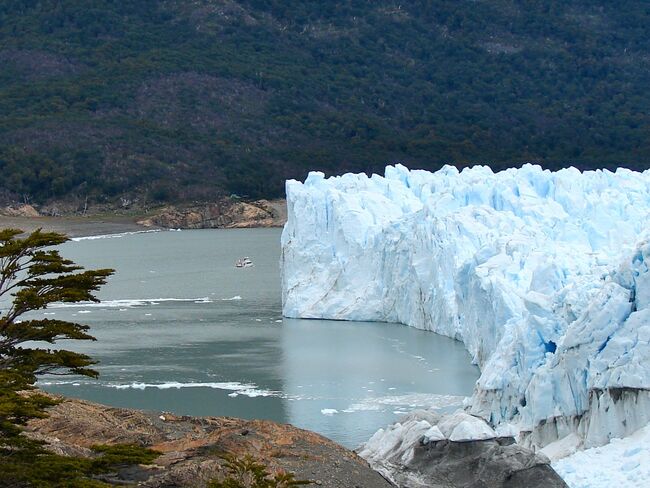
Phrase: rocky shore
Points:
(225, 214)
(192, 448)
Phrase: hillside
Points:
(179, 100)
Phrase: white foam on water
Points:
(114, 236)
(129, 302)
(246, 389)
(238, 389)
(412, 400)
(252, 390)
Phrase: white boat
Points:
(244, 263)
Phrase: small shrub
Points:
(247, 473)
(41, 469)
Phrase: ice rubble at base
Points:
(623, 462)
(426, 449)
(398, 441)
(542, 275)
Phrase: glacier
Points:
(542, 275)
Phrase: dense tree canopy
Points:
(179, 99)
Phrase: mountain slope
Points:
(183, 100)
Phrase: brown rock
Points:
(225, 214)
(24, 210)
(192, 447)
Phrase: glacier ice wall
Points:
(542, 275)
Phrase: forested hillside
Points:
(188, 99)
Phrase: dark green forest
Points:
(179, 100)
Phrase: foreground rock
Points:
(459, 450)
(192, 447)
(226, 214)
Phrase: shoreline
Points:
(77, 226)
(219, 215)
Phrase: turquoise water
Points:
(180, 329)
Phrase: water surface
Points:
(180, 329)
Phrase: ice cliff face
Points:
(543, 276)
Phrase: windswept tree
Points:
(32, 276)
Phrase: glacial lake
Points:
(180, 329)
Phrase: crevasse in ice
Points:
(542, 275)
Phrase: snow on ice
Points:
(622, 463)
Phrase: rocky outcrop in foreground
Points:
(193, 447)
(226, 214)
(426, 450)
(423, 450)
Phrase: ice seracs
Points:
(542, 275)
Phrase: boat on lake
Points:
(243, 263)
